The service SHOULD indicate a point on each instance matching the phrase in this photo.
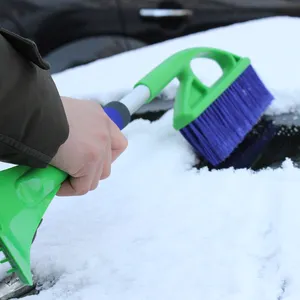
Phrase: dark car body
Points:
(101, 28)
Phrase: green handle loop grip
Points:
(159, 77)
(193, 97)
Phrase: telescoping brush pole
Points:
(121, 111)
(213, 119)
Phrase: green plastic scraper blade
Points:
(25, 194)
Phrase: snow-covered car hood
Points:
(160, 229)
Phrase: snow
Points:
(157, 228)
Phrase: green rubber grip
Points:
(177, 64)
(193, 97)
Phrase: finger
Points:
(115, 154)
(106, 155)
(71, 186)
(118, 141)
(103, 171)
(104, 168)
(95, 182)
(79, 186)
(97, 176)
(66, 189)
(106, 164)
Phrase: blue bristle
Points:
(245, 157)
(224, 124)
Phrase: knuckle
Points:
(104, 131)
(94, 186)
(92, 154)
(104, 136)
(82, 191)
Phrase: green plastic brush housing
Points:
(193, 97)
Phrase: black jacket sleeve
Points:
(33, 124)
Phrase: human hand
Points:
(94, 142)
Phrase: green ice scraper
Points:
(26, 192)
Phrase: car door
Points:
(155, 20)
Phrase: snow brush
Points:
(214, 120)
